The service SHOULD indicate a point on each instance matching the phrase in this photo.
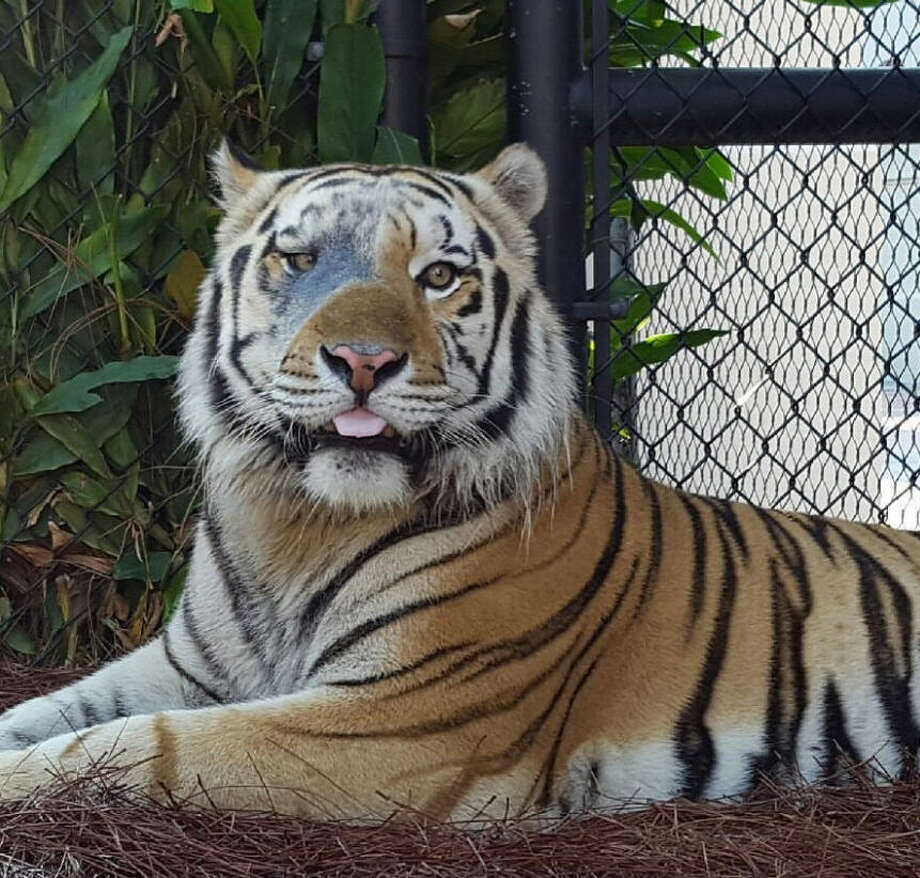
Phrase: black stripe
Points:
(214, 666)
(183, 673)
(402, 670)
(90, 715)
(119, 707)
(691, 734)
(497, 420)
(319, 602)
(892, 686)
(879, 533)
(484, 242)
(698, 583)
(787, 675)
(655, 547)
(500, 299)
(448, 228)
(725, 514)
(837, 740)
(473, 304)
(465, 188)
(241, 606)
(266, 223)
(369, 626)
(426, 190)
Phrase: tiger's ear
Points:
(519, 176)
(235, 171)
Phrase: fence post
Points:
(544, 64)
(403, 31)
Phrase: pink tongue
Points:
(359, 423)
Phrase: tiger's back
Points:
(421, 577)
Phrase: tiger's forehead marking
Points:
(350, 221)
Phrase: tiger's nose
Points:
(363, 369)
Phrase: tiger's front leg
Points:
(308, 754)
(142, 682)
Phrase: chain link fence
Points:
(807, 256)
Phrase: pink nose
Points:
(363, 366)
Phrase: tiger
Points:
(421, 579)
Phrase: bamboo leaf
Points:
(350, 93)
(288, 25)
(61, 118)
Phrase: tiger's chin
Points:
(357, 481)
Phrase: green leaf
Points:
(172, 593)
(395, 147)
(42, 454)
(194, 5)
(655, 210)
(18, 638)
(183, 281)
(471, 119)
(288, 25)
(91, 258)
(240, 16)
(95, 145)
(89, 493)
(74, 395)
(206, 60)
(61, 118)
(77, 439)
(351, 84)
(625, 286)
(153, 568)
(657, 349)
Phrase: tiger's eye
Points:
(439, 275)
(300, 261)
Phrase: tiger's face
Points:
(372, 335)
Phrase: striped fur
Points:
(502, 617)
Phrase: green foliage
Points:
(106, 223)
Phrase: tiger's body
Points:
(457, 598)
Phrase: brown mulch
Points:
(99, 830)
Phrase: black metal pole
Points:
(544, 62)
(599, 244)
(712, 107)
(402, 25)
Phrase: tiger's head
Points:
(370, 336)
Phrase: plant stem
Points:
(116, 282)
(26, 31)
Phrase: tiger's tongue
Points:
(359, 423)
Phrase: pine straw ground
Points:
(97, 829)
